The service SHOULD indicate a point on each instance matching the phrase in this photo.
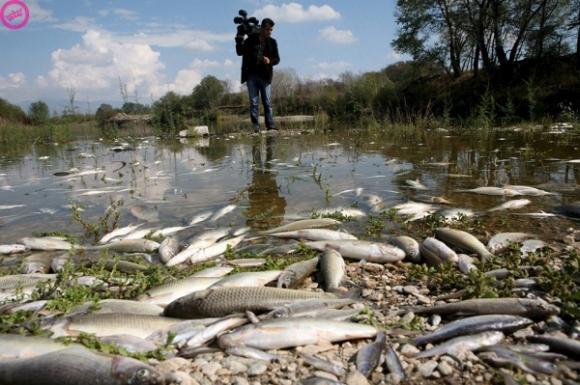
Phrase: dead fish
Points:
(214, 250)
(14, 282)
(249, 279)
(528, 190)
(540, 214)
(165, 294)
(393, 365)
(304, 224)
(511, 205)
(436, 252)
(13, 249)
(344, 211)
(222, 212)
(247, 262)
(374, 202)
(286, 333)
(59, 262)
(356, 249)
(131, 344)
(120, 232)
(201, 217)
(463, 241)
(415, 210)
(37, 263)
(477, 324)
(15, 346)
(567, 346)
(211, 331)
(297, 272)
(256, 354)
(169, 231)
(408, 245)
(315, 235)
(501, 241)
(417, 185)
(367, 358)
(168, 249)
(213, 272)
(320, 381)
(531, 246)
(145, 213)
(73, 366)
(333, 269)
(300, 308)
(319, 363)
(130, 246)
(185, 254)
(119, 306)
(227, 300)
(46, 244)
(465, 263)
(457, 346)
(454, 214)
(524, 307)
(503, 356)
(490, 190)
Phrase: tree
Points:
(170, 112)
(38, 113)
(208, 93)
(285, 83)
(103, 115)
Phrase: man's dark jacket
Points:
(249, 49)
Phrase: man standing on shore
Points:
(259, 53)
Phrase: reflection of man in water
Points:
(267, 207)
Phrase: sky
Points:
(88, 47)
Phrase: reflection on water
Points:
(270, 178)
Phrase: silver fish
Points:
(328, 366)
(457, 346)
(14, 346)
(167, 293)
(13, 249)
(244, 351)
(393, 365)
(436, 252)
(415, 210)
(14, 282)
(297, 272)
(528, 190)
(465, 263)
(477, 324)
(408, 245)
(46, 244)
(76, 365)
(214, 250)
(345, 211)
(211, 331)
(567, 346)
(417, 185)
(120, 232)
(119, 306)
(333, 269)
(247, 262)
(304, 224)
(213, 272)
(463, 240)
(370, 251)
(315, 235)
(58, 263)
(511, 205)
(130, 343)
(145, 213)
(503, 356)
(367, 358)
(287, 333)
(168, 248)
(130, 246)
(201, 217)
(222, 212)
(490, 190)
(501, 241)
(37, 263)
(249, 279)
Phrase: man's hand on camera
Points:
(266, 60)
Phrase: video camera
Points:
(247, 25)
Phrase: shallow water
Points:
(273, 179)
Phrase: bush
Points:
(38, 113)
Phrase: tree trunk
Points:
(578, 43)
(476, 62)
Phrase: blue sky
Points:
(156, 46)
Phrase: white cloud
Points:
(13, 80)
(296, 13)
(122, 13)
(189, 39)
(41, 81)
(332, 66)
(337, 36)
(99, 62)
(39, 14)
(78, 24)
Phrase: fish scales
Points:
(223, 301)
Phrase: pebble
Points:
(409, 350)
(435, 320)
(444, 368)
(234, 366)
(356, 378)
(408, 318)
(555, 381)
(240, 381)
(257, 368)
(180, 378)
(426, 369)
(373, 267)
(210, 368)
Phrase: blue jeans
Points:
(256, 87)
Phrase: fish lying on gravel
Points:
(463, 241)
(477, 324)
(287, 333)
(214, 250)
(524, 307)
(46, 244)
(211, 331)
(511, 205)
(73, 366)
(256, 354)
(394, 366)
(248, 279)
(130, 343)
(503, 356)
(303, 224)
(13, 249)
(120, 232)
(294, 274)
(13, 282)
(369, 251)
(130, 246)
(315, 235)
(567, 346)
(37, 263)
(367, 358)
(333, 268)
(13, 346)
(120, 306)
(320, 381)
(302, 308)
(167, 293)
(501, 241)
(139, 325)
(213, 272)
(331, 367)
(228, 300)
(435, 252)
(459, 345)
(408, 245)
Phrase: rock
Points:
(240, 381)
(173, 364)
(356, 378)
(373, 267)
(555, 381)
(257, 368)
(426, 369)
(180, 378)
(234, 366)
(435, 320)
(409, 350)
(408, 318)
(444, 368)
(210, 369)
